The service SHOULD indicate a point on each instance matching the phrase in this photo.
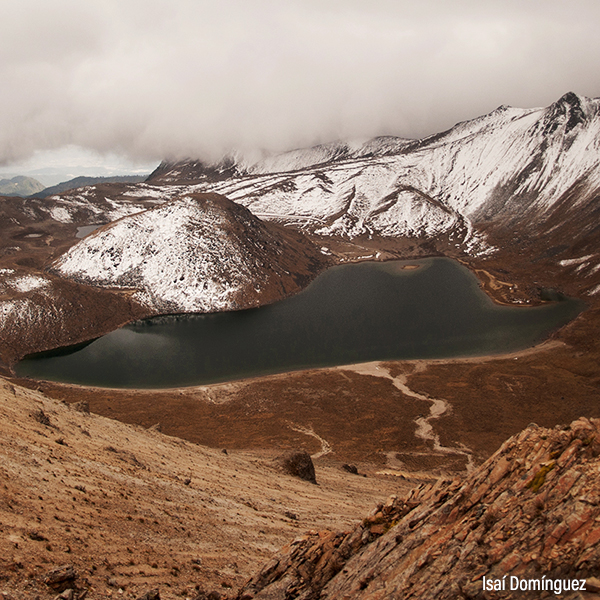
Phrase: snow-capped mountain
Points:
(237, 164)
(507, 166)
(514, 187)
(198, 253)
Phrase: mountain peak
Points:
(173, 256)
(570, 108)
(571, 98)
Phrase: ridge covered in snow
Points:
(198, 253)
(501, 183)
(236, 164)
(502, 167)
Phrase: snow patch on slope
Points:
(506, 166)
(190, 255)
(28, 283)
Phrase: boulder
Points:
(299, 464)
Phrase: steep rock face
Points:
(199, 253)
(529, 513)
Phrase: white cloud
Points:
(196, 77)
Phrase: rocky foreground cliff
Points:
(525, 524)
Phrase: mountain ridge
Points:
(82, 181)
(492, 171)
(513, 183)
(20, 185)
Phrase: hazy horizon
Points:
(138, 82)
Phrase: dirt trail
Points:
(325, 445)
(437, 408)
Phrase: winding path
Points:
(325, 446)
(437, 408)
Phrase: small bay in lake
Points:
(351, 313)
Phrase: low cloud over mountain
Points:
(161, 80)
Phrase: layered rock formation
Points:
(528, 517)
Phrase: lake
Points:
(351, 313)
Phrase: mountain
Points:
(238, 164)
(79, 182)
(198, 253)
(527, 517)
(20, 186)
(195, 253)
(480, 184)
(513, 194)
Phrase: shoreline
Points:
(363, 367)
(372, 414)
(377, 257)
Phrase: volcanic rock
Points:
(60, 578)
(299, 464)
(529, 513)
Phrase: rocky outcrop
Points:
(298, 463)
(523, 524)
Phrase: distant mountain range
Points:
(28, 187)
(79, 182)
(20, 186)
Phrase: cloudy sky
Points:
(149, 79)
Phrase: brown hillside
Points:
(530, 513)
(133, 510)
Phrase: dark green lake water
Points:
(350, 313)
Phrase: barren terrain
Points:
(134, 509)
(148, 499)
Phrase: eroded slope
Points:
(134, 509)
(529, 513)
